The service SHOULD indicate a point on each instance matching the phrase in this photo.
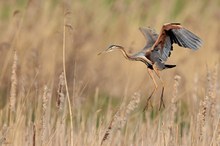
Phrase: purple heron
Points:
(158, 48)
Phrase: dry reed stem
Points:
(59, 132)
(3, 135)
(12, 97)
(212, 92)
(212, 109)
(66, 86)
(131, 106)
(60, 92)
(121, 116)
(205, 107)
(218, 131)
(45, 116)
(202, 117)
(215, 109)
(171, 126)
(34, 135)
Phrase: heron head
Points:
(111, 48)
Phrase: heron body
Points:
(158, 49)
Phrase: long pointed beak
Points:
(101, 53)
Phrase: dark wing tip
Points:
(186, 39)
(172, 23)
(195, 40)
(169, 66)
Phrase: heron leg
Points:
(161, 97)
(155, 88)
(161, 100)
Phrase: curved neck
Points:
(135, 58)
(125, 54)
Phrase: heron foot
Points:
(161, 100)
(147, 103)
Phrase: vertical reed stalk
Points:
(60, 92)
(34, 135)
(45, 115)
(66, 86)
(13, 83)
(172, 126)
(12, 98)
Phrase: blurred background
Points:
(33, 107)
(35, 30)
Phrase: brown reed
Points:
(34, 135)
(212, 91)
(3, 134)
(172, 141)
(121, 116)
(64, 71)
(12, 98)
(45, 115)
(205, 110)
(60, 92)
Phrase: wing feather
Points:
(174, 33)
(150, 36)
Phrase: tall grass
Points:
(55, 90)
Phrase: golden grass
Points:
(44, 46)
(13, 89)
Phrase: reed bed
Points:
(55, 90)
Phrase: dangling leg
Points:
(155, 88)
(161, 100)
(161, 97)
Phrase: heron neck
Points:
(141, 58)
(127, 56)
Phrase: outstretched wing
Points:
(150, 36)
(175, 33)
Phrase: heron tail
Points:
(169, 66)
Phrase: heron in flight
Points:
(158, 48)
